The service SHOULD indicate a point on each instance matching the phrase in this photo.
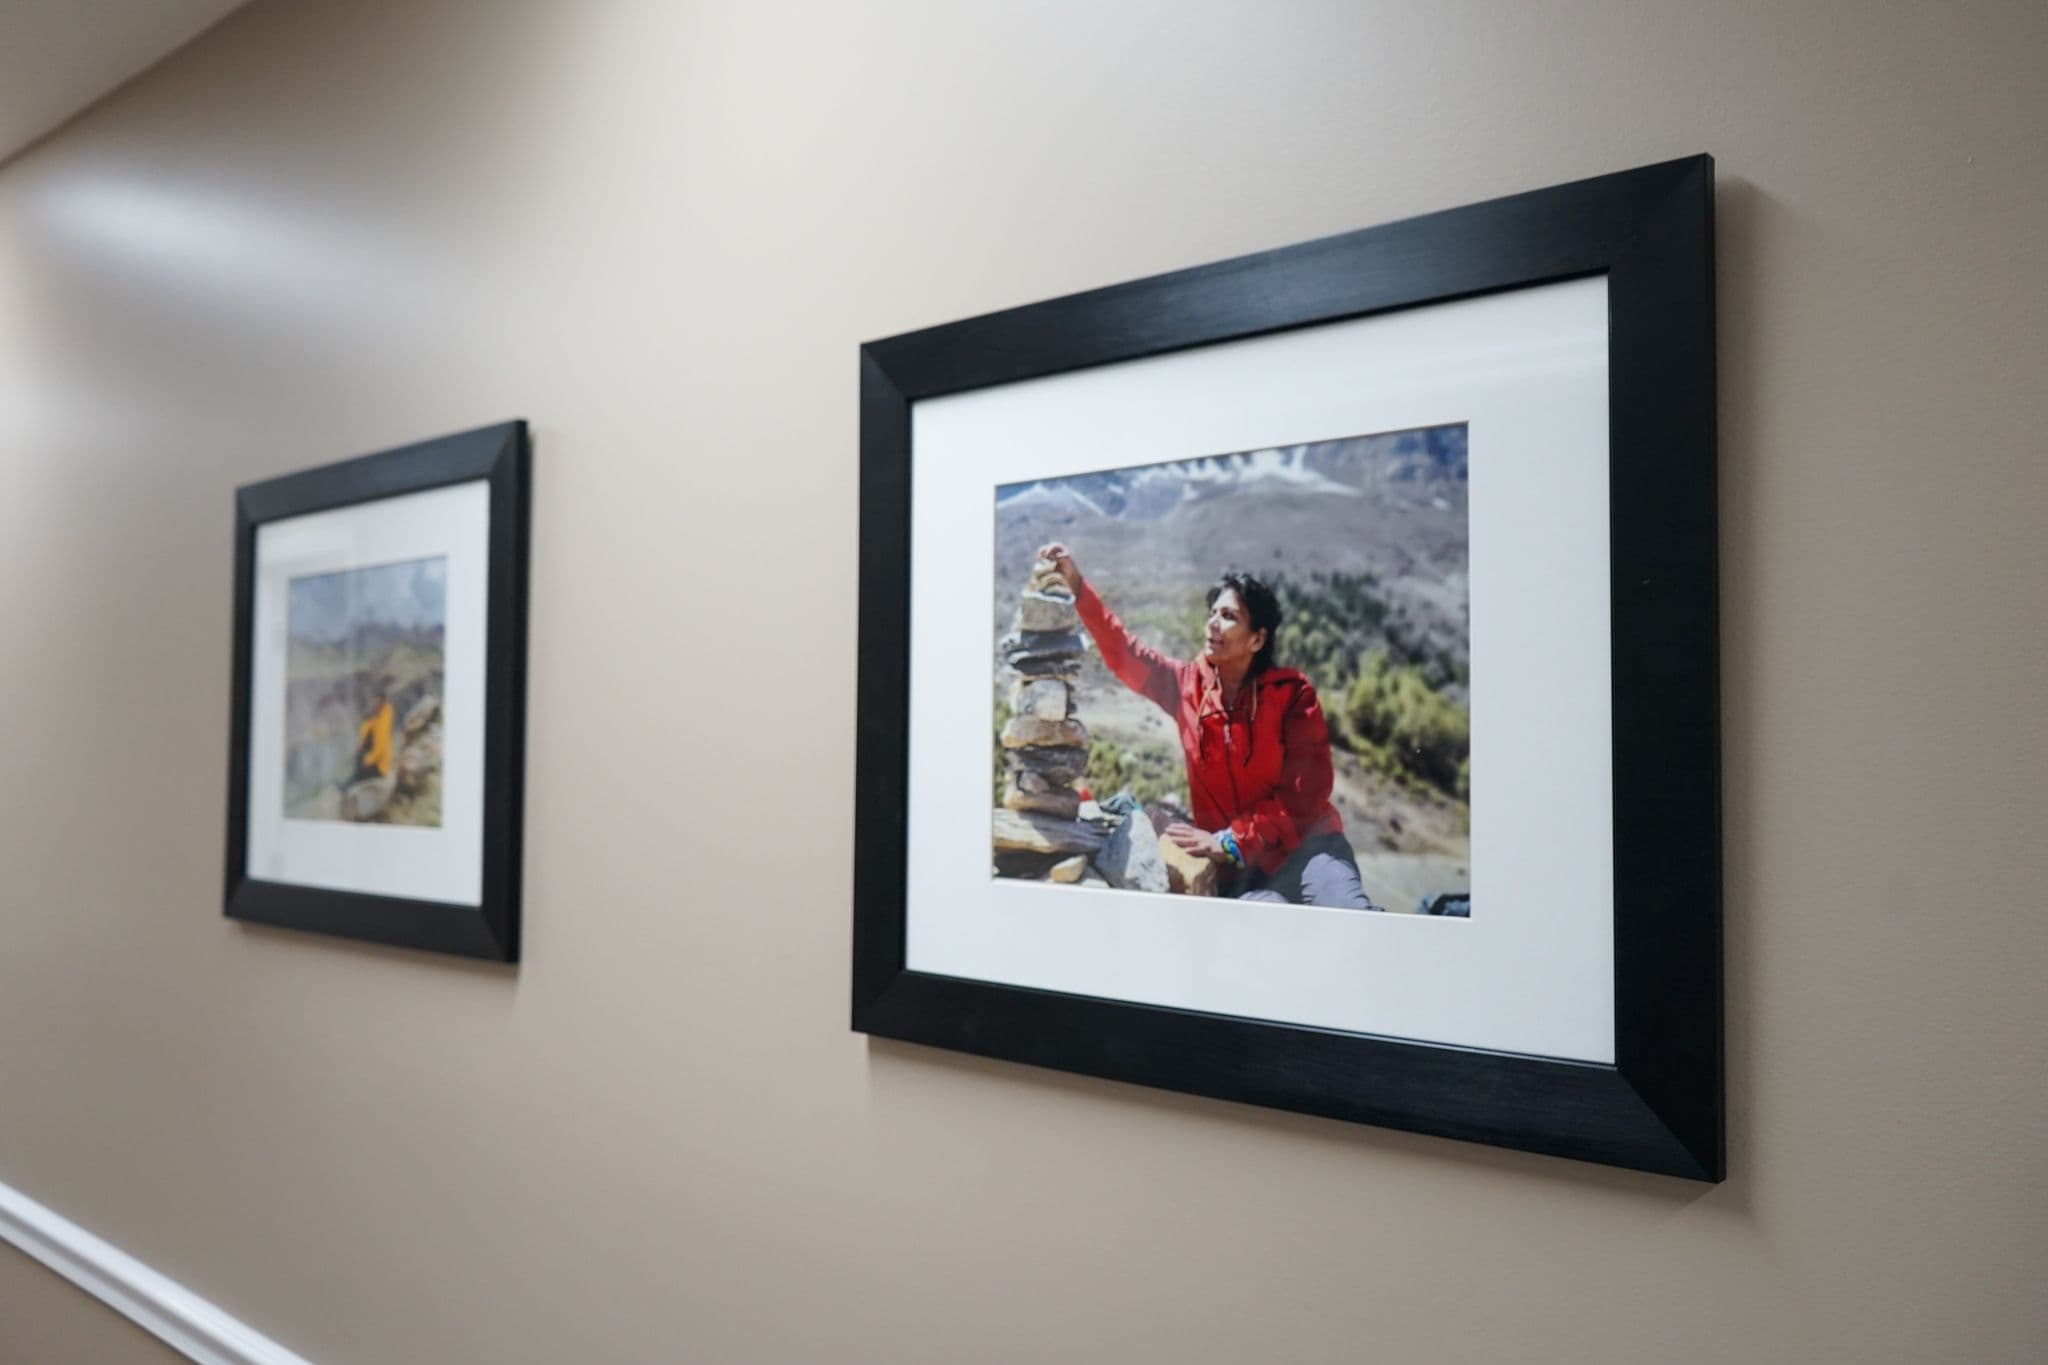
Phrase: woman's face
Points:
(1230, 640)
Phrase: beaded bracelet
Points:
(1229, 842)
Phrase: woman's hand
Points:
(1063, 560)
(1197, 841)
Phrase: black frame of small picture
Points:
(501, 456)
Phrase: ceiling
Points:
(58, 56)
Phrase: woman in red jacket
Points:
(1253, 736)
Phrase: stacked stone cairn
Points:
(1043, 828)
(1039, 829)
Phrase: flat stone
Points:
(1045, 575)
(1041, 611)
(1043, 653)
(1058, 766)
(1070, 870)
(1130, 858)
(1187, 874)
(1032, 732)
(1028, 781)
(1046, 698)
(1017, 831)
(1025, 866)
(1064, 802)
(1044, 642)
(1065, 667)
(366, 799)
(422, 711)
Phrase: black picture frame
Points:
(500, 455)
(1659, 1106)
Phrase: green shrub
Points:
(1105, 767)
(1393, 708)
(1002, 719)
(1147, 771)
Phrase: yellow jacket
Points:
(373, 740)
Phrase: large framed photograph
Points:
(375, 774)
(1294, 680)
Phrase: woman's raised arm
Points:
(1136, 665)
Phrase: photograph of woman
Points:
(1253, 738)
(1293, 731)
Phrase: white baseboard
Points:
(169, 1310)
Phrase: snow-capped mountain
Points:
(1343, 469)
(1061, 495)
(1390, 507)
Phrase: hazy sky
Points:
(326, 607)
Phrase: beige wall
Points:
(47, 1320)
(659, 230)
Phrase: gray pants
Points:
(1320, 871)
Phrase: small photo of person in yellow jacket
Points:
(373, 739)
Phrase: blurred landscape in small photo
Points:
(363, 687)
(1363, 539)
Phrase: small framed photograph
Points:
(1294, 680)
(375, 775)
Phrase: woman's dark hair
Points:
(1259, 604)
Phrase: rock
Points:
(1045, 698)
(419, 759)
(1025, 732)
(422, 711)
(1026, 866)
(1168, 811)
(1067, 641)
(1187, 874)
(420, 756)
(1046, 579)
(1058, 766)
(1093, 878)
(1041, 611)
(1028, 781)
(1071, 870)
(1130, 857)
(1064, 667)
(1064, 802)
(366, 799)
(1028, 832)
(1043, 653)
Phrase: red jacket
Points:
(1260, 767)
